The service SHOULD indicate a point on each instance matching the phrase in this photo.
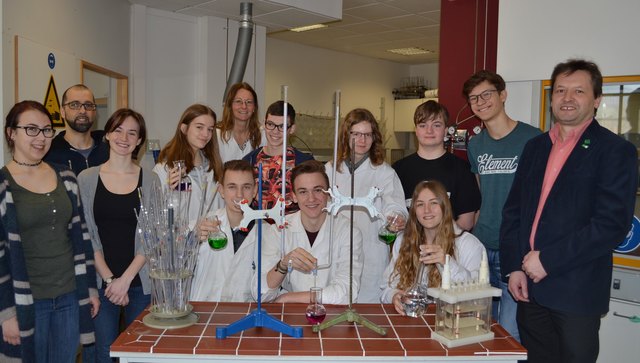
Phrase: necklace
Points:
(243, 145)
(27, 164)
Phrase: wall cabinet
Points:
(619, 336)
(403, 113)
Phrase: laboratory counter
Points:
(407, 339)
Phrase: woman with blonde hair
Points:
(430, 235)
(239, 130)
(360, 135)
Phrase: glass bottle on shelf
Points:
(315, 312)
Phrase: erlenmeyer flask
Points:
(415, 300)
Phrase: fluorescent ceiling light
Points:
(410, 51)
(308, 27)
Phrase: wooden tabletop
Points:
(405, 336)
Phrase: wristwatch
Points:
(280, 269)
(109, 279)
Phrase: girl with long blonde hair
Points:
(430, 235)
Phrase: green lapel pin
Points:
(586, 143)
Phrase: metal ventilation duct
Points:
(243, 47)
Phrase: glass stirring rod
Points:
(315, 275)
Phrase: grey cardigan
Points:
(88, 182)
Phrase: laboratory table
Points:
(407, 339)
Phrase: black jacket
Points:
(587, 214)
(61, 152)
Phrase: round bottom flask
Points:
(315, 312)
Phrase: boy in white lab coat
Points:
(225, 274)
(308, 244)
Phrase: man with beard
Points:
(77, 146)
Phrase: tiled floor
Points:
(405, 336)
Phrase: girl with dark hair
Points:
(110, 197)
(48, 292)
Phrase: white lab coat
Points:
(464, 266)
(199, 178)
(231, 150)
(376, 252)
(334, 280)
(221, 275)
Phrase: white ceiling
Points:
(367, 28)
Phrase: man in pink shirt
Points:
(570, 205)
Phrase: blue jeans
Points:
(107, 321)
(503, 309)
(57, 332)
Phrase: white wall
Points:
(429, 71)
(96, 31)
(178, 60)
(172, 60)
(535, 35)
(523, 100)
(314, 74)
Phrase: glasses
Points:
(75, 105)
(48, 132)
(357, 135)
(240, 102)
(272, 126)
(486, 95)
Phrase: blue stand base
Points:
(258, 318)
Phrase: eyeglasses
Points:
(486, 95)
(76, 105)
(240, 102)
(272, 125)
(48, 132)
(357, 135)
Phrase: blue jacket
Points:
(587, 214)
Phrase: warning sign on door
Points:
(52, 104)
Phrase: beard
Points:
(80, 123)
